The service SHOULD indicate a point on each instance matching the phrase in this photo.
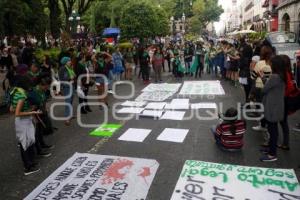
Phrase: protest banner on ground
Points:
(88, 176)
(202, 88)
(205, 180)
(106, 130)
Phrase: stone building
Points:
(289, 15)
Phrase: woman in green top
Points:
(25, 131)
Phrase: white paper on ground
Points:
(134, 103)
(173, 135)
(177, 106)
(173, 115)
(130, 110)
(202, 88)
(171, 87)
(204, 105)
(135, 135)
(152, 113)
(155, 96)
(180, 101)
(156, 105)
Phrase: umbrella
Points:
(111, 32)
(245, 32)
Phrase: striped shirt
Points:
(227, 138)
(19, 94)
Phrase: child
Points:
(230, 132)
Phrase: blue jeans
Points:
(216, 136)
(69, 100)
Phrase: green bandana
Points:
(71, 72)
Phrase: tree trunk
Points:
(55, 22)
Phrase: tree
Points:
(204, 12)
(142, 20)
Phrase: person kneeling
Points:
(230, 131)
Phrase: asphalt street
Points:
(198, 145)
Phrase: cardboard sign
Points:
(205, 180)
(88, 176)
(202, 88)
(106, 130)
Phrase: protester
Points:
(230, 131)
(118, 69)
(129, 64)
(83, 76)
(144, 64)
(246, 53)
(67, 77)
(157, 63)
(273, 101)
(25, 130)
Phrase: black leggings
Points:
(27, 156)
(145, 72)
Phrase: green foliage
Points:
(143, 20)
(125, 45)
(52, 53)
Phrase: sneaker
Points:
(110, 92)
(31, 170)
(264, 151)
(297, 128)
(44, 154)
(259, 128)
(268, 158)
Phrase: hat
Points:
(64, 60)
(255, 58)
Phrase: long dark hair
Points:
(279, 67)
(287, 61)
(230, 116)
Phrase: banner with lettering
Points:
(213, 181)
(97, 177)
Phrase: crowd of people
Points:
(266, 78)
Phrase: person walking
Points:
(129, 64)
(118, 69)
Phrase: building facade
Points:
(289, 15)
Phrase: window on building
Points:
(286, 22)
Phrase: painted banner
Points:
(155, 96)
(202, 88)
(207, 181)
(106, 130)
(170, 87)
(95, 177)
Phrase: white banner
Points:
(98, 177)
(213, 181)
(169, 87)
(202, 88)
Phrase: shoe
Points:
(268, 158)
(297, 128)
(31, 170)
(283, 147)
(48, 147)
(259, 128)
(110, 92)
(44, 154)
